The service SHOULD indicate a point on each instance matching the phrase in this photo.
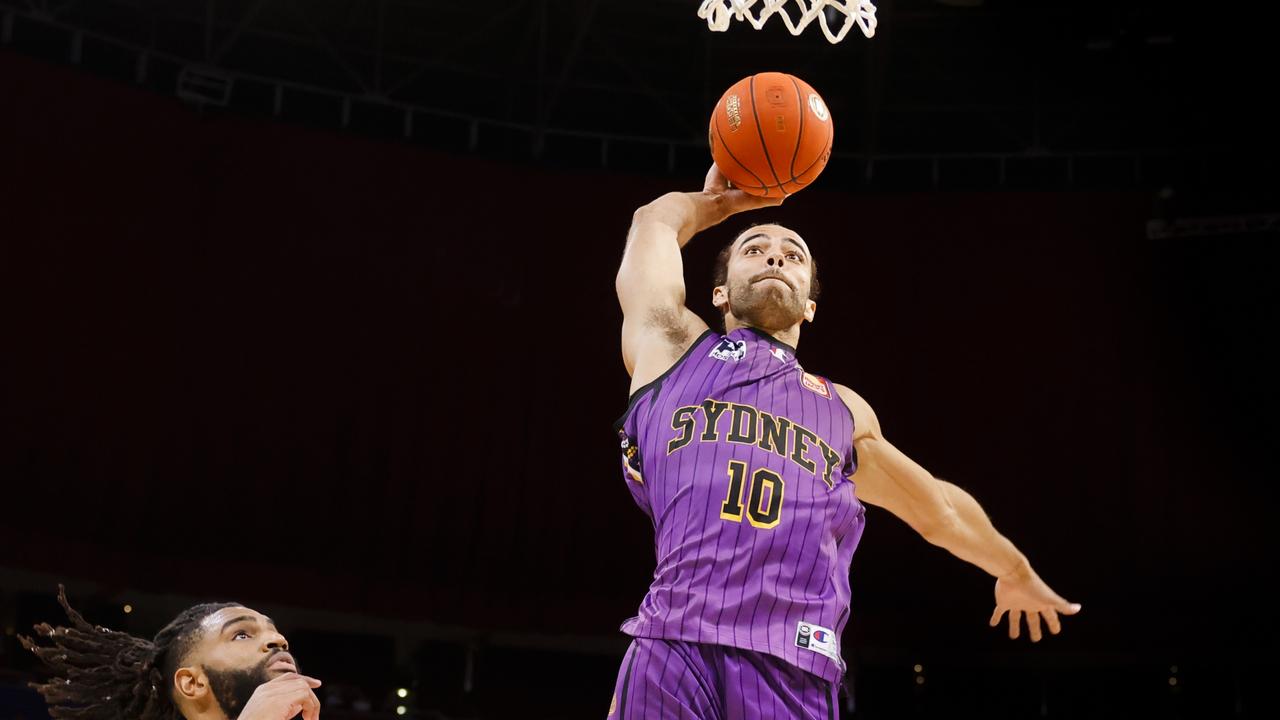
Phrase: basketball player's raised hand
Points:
(735, 200)
(283, 698)
(1024, 592)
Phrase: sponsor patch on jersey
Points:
(779, 353)
(729, 351)
(631, 459)
(816, 384)
(818, 639)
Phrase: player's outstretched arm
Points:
(657, 327)
(952, 519)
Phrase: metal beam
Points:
(245, 21)
(1211, 226)
(210, 19)
(329, 48)
(569, 61)
(377, 64)
(460, 42)
(659, 100)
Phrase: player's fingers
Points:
(311, 707)
(295, 687)
(294, 681)
(1015, 624)
(295, 707)
(288, 681)
(1051, 619)
(715, 180)
(766, 201)
(1067, 608)
(1033, 626)
(995, 616)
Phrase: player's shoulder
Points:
(865, 421)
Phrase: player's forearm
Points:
(968, 534)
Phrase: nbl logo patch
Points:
(818, 639)
(729, 351)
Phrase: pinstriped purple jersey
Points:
(743, 461)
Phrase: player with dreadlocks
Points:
(214, 661)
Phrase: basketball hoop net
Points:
(719, 13)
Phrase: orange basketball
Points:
(771, 134)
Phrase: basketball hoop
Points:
(719, 13)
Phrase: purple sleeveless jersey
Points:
(743, 460)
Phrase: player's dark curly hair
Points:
(101, 674)
(720, 269)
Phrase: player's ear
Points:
(720, 296)
(810, 309)
(191, 683)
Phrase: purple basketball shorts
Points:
(675, 680)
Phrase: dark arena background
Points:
(309, 304)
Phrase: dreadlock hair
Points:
(101, 674)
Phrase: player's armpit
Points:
(652, 344)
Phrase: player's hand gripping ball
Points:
(771, 134)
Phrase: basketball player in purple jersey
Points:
(748, 465)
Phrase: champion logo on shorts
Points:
(728, 350)
(818, 639)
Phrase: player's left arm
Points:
(952, 519)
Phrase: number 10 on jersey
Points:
(764, 501)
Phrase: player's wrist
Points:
(711, 209)
(1019, 572)
(675, 210)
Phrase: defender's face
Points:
(237, 638)
(238, 650)
(768, 280)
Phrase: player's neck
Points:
(789, 336)
(206, 708)
(214, 713)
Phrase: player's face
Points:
(239, 650)
(768, 279)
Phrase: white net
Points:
(796, 15)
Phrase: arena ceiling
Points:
(1119, 87)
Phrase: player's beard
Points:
(768, 306)
(233, 688)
